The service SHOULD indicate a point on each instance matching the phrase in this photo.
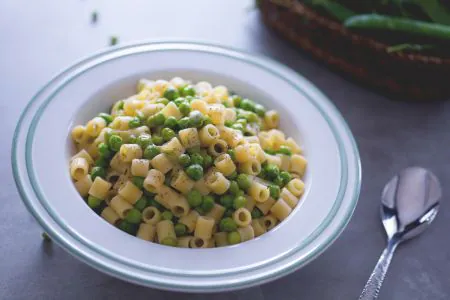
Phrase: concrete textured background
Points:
(40, 38)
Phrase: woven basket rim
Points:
(301, 9)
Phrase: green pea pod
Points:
(337, 10)
(395, 24)
(436, 11)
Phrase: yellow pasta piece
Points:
(217, 114)
(83, 154)
(183, 242)
(285, 162)
(190, 220)
(140, 167)
(288, 197)
(130, 192)
(120, 206)
(258, 227)
(154, 180)
(293, 146)
(216, 213)
(251, 167)
(173, 148)
(217, 147)
(297, 164)
(269, 222)
(151, 109)
(160, 86)
(273, 160)
(164, 196)
(225, 164)
(99, 188)
(259, 192)
(202, 187)
(189, 137)
(242, 217)
(220, 93)
(271, 119)
(144, 84)
(200, 105)
(179, 206)
(246, 233)
(121, 122)
(197, 242)
(178, 82)
(182, 182)
(230, 115)
(79, 168)
(221, 239)
(83, 185)
(208, 135)
(204, 227)
(296, 187)
(217, 183)
(117, 164)
(165, 230)
(265, 206)
(171, 110)
(162, 163)
(146, 232)
(110, 215)
(281, 210)
(242, 153)
(151, 215)
(78, 133)
(250, 204)
(128, 152)
(203, 88)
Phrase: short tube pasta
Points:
(79, 168)
(208, 135)
(204, 227)
(198, 242)
(130, 192)
(146, 232)
(120, 206)
(110, 215)
(140, 167)
(225, 164)
(153, 180)
(83, 185)
(190, 220)
(99, 188)
(165, 230)
(259, 192)
(242, 217)
(151, 215)
(246, 233)
(296, 187)
(280, 210)
(217, 183)
(128, 152)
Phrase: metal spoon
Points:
(409, 203)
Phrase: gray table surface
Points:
(40, 38)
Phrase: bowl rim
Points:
(310, 92)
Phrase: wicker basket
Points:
(406, 76)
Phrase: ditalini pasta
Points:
(188, 165)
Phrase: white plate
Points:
(42, 147)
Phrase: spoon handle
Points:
(375, 281)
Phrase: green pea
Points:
(285, 150)
(171, 122)
(272, 171)
(196, 158)
(115, 142)
(200, 210)
(107, 117)
(102, 162)
(154, 203)
(141, 203)
(256, 213)
(132, 139)
(167, 134)
(232, 154)
(286, 177)
(120, 104)
(234, 187)
(244, 181)
(127, 227)
(247, 104)
(228, 213)
(229, 123)
(207, 203)
(227, 201)
(207, 120)
(156, 120)
(260, 110)
(169, 241)
(207, 161)
(133, 216)
(171, 93)
(157, 140)
(144, 140)
(239, 201)
(269, 151)
(179, 100)
(195, 172)
(233, 175)
(252, 117)
(184, 160)
(138, 181)
(194, 198)
(163, 101)
(103, 150)
(238, 126)
(243, 122)
(183, 123)
(94, 202)
(274, 191)
(151, 151)
(233, 238)
(227, 225)
(187, 90)
(240, 193)
(167, 215)
(184, 108)
(236, 100)
(98, 171)
(278, 181)
(196, 119)
(135, 122)
(180, 229)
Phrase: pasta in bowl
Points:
(188, 165)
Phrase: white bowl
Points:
(42, 147)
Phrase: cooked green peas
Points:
(163, 101)
(227, 225)
(184, 160)
(169, 241)
(233, 238)
(228, 123)
(236, 100)
(135, 122)
(244, 181)
(232, 154)
(94, 202)
(133, 216)
(200, 210)
(184, 108)
(207, 203)
(166, 215)
(259, 110)
(234, 187)
(238, 126)
(98, 171)
(103, 150)
(156, 120)
(102, 162)
(167, 134)
(233, 175)
(272, 171)
(207, 120)
(141, 203)
(171, 122)
(252, 117)
(144, 140)
(120, 104)
(179, 100)
(196, 119)
(285, 150)
(151, 151)
(183, 123)
(207, 161)
(138, 181)
(180, 229)
(196, 158)
(115, 142)
(195, 172)
(228, 213)
(107, 117)
(227, 201)
(153, 202)
(187, 90)
(247, 104)
(132, 139)
(256, 213)
(286, 177)
(242, 121)
(239, 201)
(194, 198)
(171, 93)
(274, 191)
(157, 140)
(127, 227)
